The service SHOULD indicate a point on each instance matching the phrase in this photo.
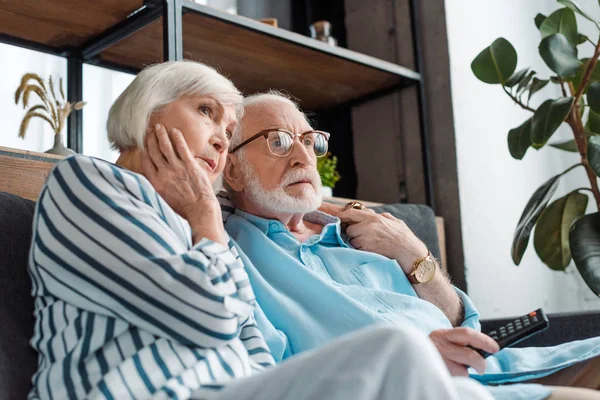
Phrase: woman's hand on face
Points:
(181, 181)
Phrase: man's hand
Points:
(451, 345)
(183, 184)
(383, 234)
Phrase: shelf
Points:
(257, 57)
(60, 25)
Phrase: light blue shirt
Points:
(310, 293)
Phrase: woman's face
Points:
(207, 126)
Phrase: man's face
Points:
(288, 184)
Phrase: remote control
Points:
(517, 330)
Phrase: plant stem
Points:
(574, 121)
(562, 87)
(571, 168)
(582, 188)
(523, 106)
(586, 76)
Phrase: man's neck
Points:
(294, 222)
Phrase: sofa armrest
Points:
(564, 327)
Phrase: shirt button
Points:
(273, 225)
(381, 311)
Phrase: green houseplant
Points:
(53, 110)
(326, 166)
(562, 229)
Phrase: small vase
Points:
(326, 191)
(321, 30)
(59, 148)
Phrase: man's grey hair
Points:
(259, 99)
(156, 87)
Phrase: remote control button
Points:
(533, 314)
(527, 323)
(534, 319)
(495, 337)
(502, 335)
(492, 333)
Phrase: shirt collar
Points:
(331, 224)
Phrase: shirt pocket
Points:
(382, 275)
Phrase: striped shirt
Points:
(126, 305)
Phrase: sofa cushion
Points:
(18, 360)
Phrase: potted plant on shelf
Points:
(563, 231)
(326, 166)
(51, 109)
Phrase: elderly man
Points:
(313, 282)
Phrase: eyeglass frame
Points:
(265, 134)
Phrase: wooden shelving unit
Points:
(129, 34)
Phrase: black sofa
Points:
(18, 361)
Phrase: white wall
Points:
(494, 187)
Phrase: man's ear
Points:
(233, 174)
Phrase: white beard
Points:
(278, 200)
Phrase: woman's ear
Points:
(232, 173)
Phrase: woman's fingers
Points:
(153, 149)
(181, 147)
(148, 166)
(164, 143)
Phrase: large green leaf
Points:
(539, 19)
(575, 7)
(496, 63)
(536, 204)
(519, 140)
(594, 153)
(584, 240)
(559, 55)
(561, 21)
(551, 237)
(593, 96)
(547, 118)
(516, 77)
(569, 145)
(536, 86)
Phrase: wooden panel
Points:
(24, 172)
(257, 57)
(60, 23)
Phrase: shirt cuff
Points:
(471, 319)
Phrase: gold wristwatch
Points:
(423, 270)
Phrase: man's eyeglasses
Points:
(281, 141)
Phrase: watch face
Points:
(426, 271)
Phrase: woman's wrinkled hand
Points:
(174, 173)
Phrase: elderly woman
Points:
(137, 291)
(141, 294)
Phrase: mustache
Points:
(296, 175)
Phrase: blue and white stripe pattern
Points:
(126, 305)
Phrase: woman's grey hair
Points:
(157, 86)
